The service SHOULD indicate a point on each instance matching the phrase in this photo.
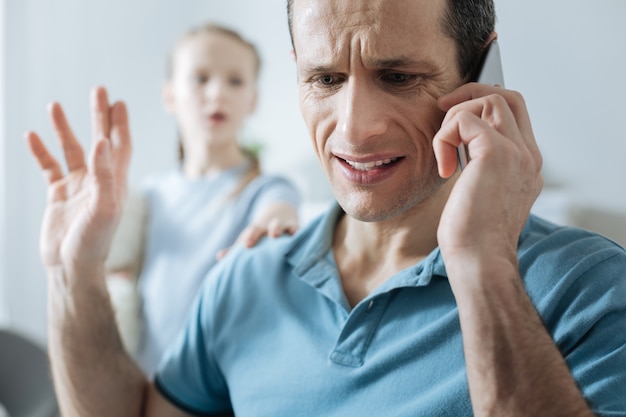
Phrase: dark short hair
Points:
(468, 22)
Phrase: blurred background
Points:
(568, 58)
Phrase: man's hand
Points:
(84, 205)
(492, 198)
(513, 365)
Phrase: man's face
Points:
(370, 73)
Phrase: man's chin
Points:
(370, 207)
(368, 211)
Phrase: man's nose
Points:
(362, 113)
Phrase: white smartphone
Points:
(489, 72)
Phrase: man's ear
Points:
(167, 95)
(292, 54)
(492, 36)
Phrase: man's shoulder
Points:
(555, 258)
(271, 259)
(542, 237)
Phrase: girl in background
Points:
(216, 197)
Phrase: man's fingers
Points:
(49, 166)
(73, 151)
(504, 110)
(447, 158)
(494, 110)
(102, 166)
(100, 118)
(472, 91)
(120, 137)
(466, 92)
(460, 130)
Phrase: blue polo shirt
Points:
(272, 333)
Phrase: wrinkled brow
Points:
(399, 62)
(377, 63)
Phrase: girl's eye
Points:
(201, 79)
(236, 82)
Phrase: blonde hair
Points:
(212, 28)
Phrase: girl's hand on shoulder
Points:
(272, 227)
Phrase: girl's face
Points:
(212, 89)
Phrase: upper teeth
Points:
(366, 166)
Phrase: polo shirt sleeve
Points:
(189, 375)
(591, 330)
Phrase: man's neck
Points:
(369, 253)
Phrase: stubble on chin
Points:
(377, 204)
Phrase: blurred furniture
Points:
(25, 382)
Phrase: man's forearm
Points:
(92, 373)
(513, 366)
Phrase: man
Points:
(418, 297)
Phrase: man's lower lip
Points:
(370, 177)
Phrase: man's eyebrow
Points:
(319, 68)
(377, 63)
(400, 62)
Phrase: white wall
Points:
(3, 310)
(568, 58)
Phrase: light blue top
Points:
(273, 335)
(189, 222)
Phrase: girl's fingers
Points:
(252, 234)
(278, 228)
(221, 254)
(73, 151)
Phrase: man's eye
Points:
(326, 80)
(235, 82)
(398, 78)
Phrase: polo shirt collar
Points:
(308, 256)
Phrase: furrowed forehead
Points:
(389, 33)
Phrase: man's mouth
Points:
(368, 166)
